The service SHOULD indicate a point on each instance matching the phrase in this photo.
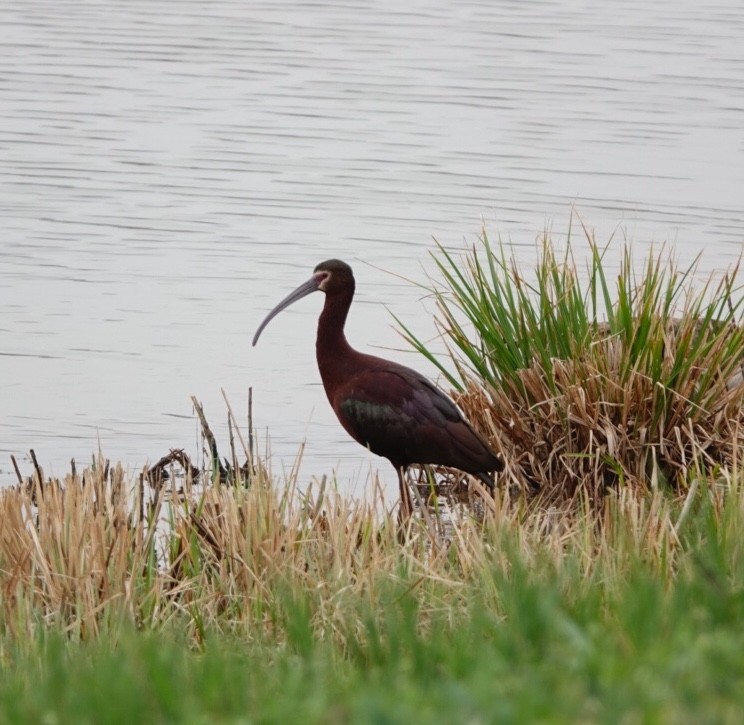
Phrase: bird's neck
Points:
(331, 348)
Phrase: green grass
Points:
(501, 319)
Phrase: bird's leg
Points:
(405, 510)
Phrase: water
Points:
(170, 170)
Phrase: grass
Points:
(634, 651)
(590, 385)
(267, 603)
(258, 606)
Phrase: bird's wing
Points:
(400, 414)
(379, 396)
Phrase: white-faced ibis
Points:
(389, 408)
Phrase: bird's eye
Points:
(322, 278)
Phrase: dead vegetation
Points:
(81, 555)
(576, 428)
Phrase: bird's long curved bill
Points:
(302, 291)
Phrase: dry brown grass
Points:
(81, 556)
(589, 425)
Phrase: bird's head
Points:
(332, 276)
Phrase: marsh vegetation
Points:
(603, 581)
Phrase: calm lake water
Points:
(170, 170)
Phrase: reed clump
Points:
(586, 383)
